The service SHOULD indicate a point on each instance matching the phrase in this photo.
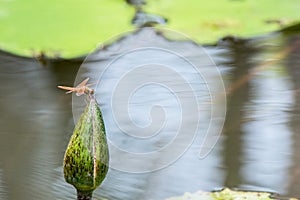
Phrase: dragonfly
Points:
(80, 89)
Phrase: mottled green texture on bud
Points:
(86, 158)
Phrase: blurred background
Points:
(255, 45)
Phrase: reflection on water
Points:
(257, 150)
(267, 140)
(3, 189)
(292, 64)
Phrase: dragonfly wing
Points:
(83, 83)
(90, 84)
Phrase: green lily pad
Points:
(207, 21)
(71, 28)
(64, 28)
(226, 194)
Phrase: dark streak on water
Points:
(259, 147)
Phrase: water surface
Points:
(257, 150)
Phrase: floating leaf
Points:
(86, 158)
(207, 21)
(227, 194)
(63, 28)
(70, 28)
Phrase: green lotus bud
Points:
(86, 158)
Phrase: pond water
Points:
(257, 148)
